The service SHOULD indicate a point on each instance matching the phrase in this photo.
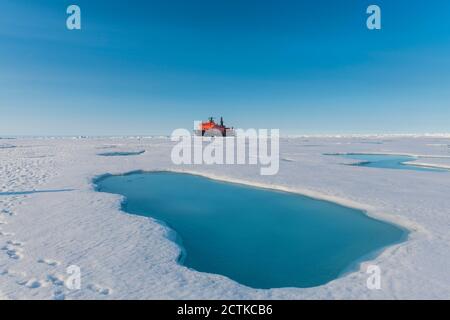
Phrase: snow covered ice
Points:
(51, 217)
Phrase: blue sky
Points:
(149, 67)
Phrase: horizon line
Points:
(325, 135)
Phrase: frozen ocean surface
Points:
(126, 256)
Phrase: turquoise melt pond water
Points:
(121, 153)
(258, 237)
(388, 162)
